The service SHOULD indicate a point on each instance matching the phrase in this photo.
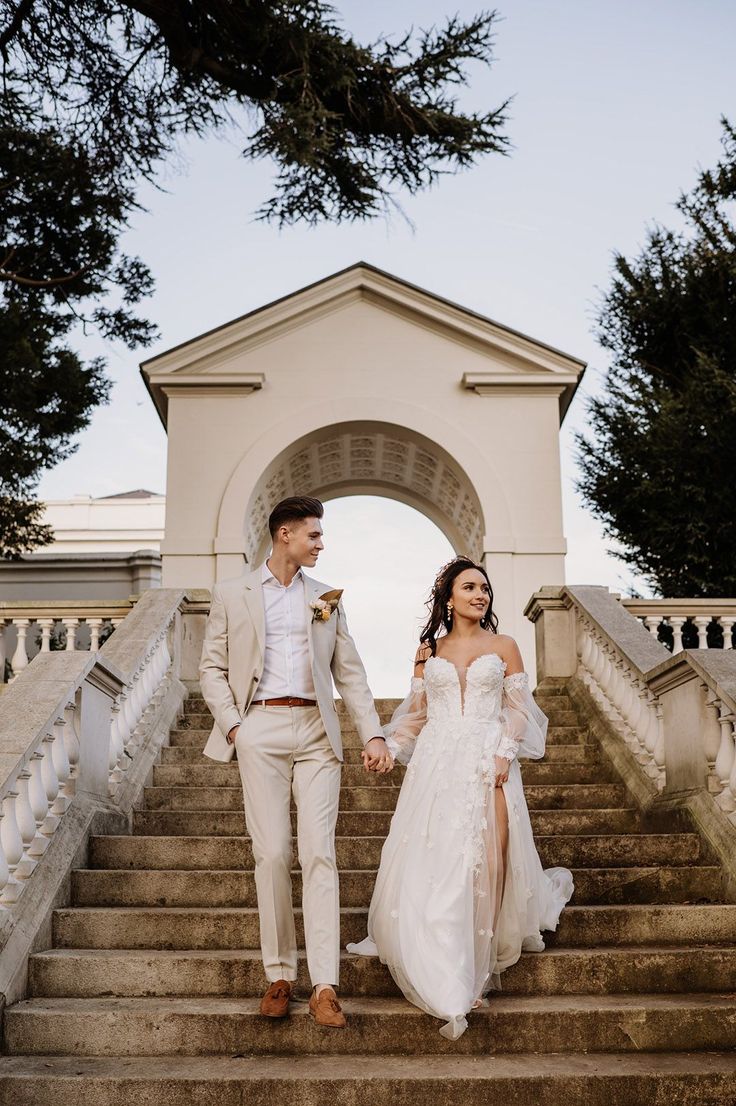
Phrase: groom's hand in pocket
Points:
(376, 757)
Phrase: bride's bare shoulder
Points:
(508, 650)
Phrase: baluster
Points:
(116, 748)
(95, 625)
(126, 714)
(39, 804)
(726, 759)
(71, 633)
(732, 778)
(4, 867)
(135, 699)
(20, 656)
(659, 757)
(148, 677)
(61, 767)
(50, 784)
(676, 623)
(702, 622)
(71, 748)
(640, 722)
(652, 621)
(711, 735)
(727, 627)
(26, 825)
(47, 625)
(11, 846)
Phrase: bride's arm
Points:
(410, 716)
(524, 724)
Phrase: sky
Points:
(615, 106)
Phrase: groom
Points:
(275, 639)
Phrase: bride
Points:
(460, 890)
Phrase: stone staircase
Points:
(151, 990)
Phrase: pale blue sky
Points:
(616, 104)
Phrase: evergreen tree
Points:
(658, 461)
(96, 93)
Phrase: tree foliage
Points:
(658, 462)
(96, 93)
(60, 220)
(344, 123)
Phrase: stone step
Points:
(90, 973)
(556, 735)
(524, 1079)
(555, 754)
(202, 1026)
(582, 796)
(215, 774)
(365, 823)
(228, 887)
(227, 928)
(571, 850)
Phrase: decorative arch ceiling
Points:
(375, 458)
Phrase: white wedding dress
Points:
(440, 917)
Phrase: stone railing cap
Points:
(35, 699)
(715, 667)
(625, 631)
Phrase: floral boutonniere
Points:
(323, 607)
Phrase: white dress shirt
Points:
(286, 665)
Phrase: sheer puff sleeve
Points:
(407, 722)
(524, 725)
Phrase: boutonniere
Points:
(323, 607)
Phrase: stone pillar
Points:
(554, 625)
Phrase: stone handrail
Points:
(40, 747)
(82, 622)
(668, 722)
(79, 733)
(690, 617)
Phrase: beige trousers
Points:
(280, 750)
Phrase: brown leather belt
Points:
(287, 701)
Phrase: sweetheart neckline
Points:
(466, 668)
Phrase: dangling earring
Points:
(449, 612)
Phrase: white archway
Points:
(346, 457)
(363, 383)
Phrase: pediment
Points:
(210, 361)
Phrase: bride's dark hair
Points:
(440, 596)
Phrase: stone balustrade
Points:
(30, 628)
(79, 730)
(687, 623)
(667, 721)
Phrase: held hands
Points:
(502, 770)
(376, 757)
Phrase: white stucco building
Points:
(365, 384)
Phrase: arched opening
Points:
(373, 459)
(385, 555)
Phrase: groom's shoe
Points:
(326, 1010)
(275, 1002)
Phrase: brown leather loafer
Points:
(326, 1010)
(275, 1002)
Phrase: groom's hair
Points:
(294, 509)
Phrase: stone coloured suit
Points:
(284, 751)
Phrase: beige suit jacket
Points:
(232, 663)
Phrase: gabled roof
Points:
(184, 364)
(137, 493)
